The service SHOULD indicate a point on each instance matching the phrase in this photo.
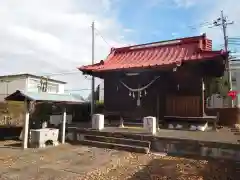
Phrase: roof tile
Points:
(157, 54)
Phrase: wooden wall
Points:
(163, 96)
(227, 116)
(184, 106)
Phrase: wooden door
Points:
(184, 106)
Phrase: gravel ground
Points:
(69, 162)
(155, 167)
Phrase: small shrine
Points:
(163, 79)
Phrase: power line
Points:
(60, 73)
(49, 75)
(234, 38)
(86, 89)
(237, 44)
(64, 73)
(74, 71)
(203, 24)
(98, 33)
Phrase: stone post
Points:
(98, 121)
(149, 123)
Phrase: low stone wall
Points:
(227, 116)
(195, 148)
(171, 146)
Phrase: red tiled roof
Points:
(156, 54)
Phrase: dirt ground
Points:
(68, 162)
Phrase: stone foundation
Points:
(170, 146)
(193, 148)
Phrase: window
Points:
(52, 88)
(33, 85)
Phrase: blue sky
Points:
(48, 37)
(155, 20)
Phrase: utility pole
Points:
(223, 23)
(93, 80)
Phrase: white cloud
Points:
(185, 3)
(129, 30)
(172, 3)
(175, 35)
(53, 36)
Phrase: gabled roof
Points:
(32, 76)
(43, 96)
(156, 54)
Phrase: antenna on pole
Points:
(43, 84)
(46, 84)
(93, 80)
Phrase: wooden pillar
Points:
(121, 123)
(64, 124)
(26, 126)
(202, 99)
(158, 108)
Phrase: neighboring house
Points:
(235, 72)
(27, 83)
(216, 100)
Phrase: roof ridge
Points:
(156, 54)
(213, 51)
(158, 43)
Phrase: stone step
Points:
(123, 147)
(125, 141)
(125, 135)
(235, 130)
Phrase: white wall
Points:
(61, 88)
(24, 84)
(34, 83)
(11, 86)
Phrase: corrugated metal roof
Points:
(156, 54)
(43, 96)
